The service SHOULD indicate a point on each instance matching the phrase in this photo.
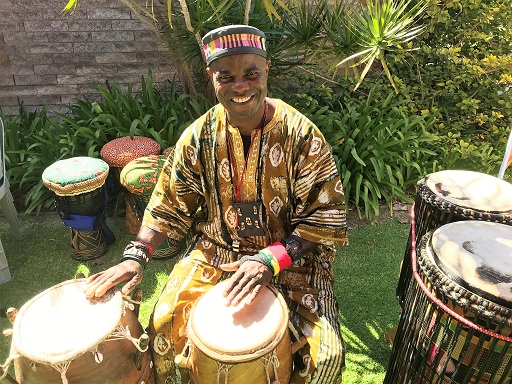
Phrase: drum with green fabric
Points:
(139, 177)
(119, 152)
(78, 186)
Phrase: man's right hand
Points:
(98, 284)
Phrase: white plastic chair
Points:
(6, 201)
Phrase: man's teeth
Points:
(241, 99)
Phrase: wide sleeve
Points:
(319, 213)
(178, 193)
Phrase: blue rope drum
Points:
(78, 186)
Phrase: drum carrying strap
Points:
(86, 223)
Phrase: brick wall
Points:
(46, 59)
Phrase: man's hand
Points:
(97, 285)
(246, 281)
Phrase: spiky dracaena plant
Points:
(384, 26)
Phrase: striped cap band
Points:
(232, 40)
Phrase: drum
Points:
(78, 186)
(61, 337)
(139, 177)
(118, 153)
(456, 323)
(454, 195)
(242, 344)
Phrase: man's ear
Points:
(268, 66)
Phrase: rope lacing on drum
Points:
(223, 368)
(122, 332)
(466, 299)
(432, 295)
(62, 368)
(13, 354)
(273, 360)
(471, 213)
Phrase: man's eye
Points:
(224, 77)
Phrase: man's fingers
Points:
(253, 294)
(229, 267)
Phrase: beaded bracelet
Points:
(138, 251)
(273, 260)
(260, 258)
(134, 259)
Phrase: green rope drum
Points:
(78, 186)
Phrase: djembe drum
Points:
(61, 337)
(139, 177)
(454, 195)
(238, 344)
(78, 186)
(119, 152)
(456, 323)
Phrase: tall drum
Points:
(60, 337)
(455, 195)
(78, 186)
(119, 152)
(456, 324)
(139, 177)
(239, 344)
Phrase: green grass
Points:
(366, 273)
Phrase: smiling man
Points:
(256, 181)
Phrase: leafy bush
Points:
(35, 140)
(380, 151)
(461, 76)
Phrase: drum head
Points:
(241, 333)
(478, 256)
(474, 190)
(60, 323)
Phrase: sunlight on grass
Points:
(366, 272)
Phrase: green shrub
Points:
(34, 140)
(381, 152)
(460, 75)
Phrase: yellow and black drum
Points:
(78, 186)
(456, 324)
(455, 195)
(119, 152)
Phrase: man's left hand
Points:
(246, 282)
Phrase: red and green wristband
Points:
(277, 256)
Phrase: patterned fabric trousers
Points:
(313, 315)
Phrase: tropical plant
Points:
(380, 151)
(35, 140)
(383, 26)
(461, 75)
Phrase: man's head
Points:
(238, 67)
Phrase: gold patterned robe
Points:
(291, 170)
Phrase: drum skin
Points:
(269, 362)
(455, 195)
(115, 360)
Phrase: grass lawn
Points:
(366, 274)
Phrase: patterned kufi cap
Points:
(232, 40)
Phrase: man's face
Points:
(240, 83)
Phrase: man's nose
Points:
(240, 85)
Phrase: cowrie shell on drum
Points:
(98, 356)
